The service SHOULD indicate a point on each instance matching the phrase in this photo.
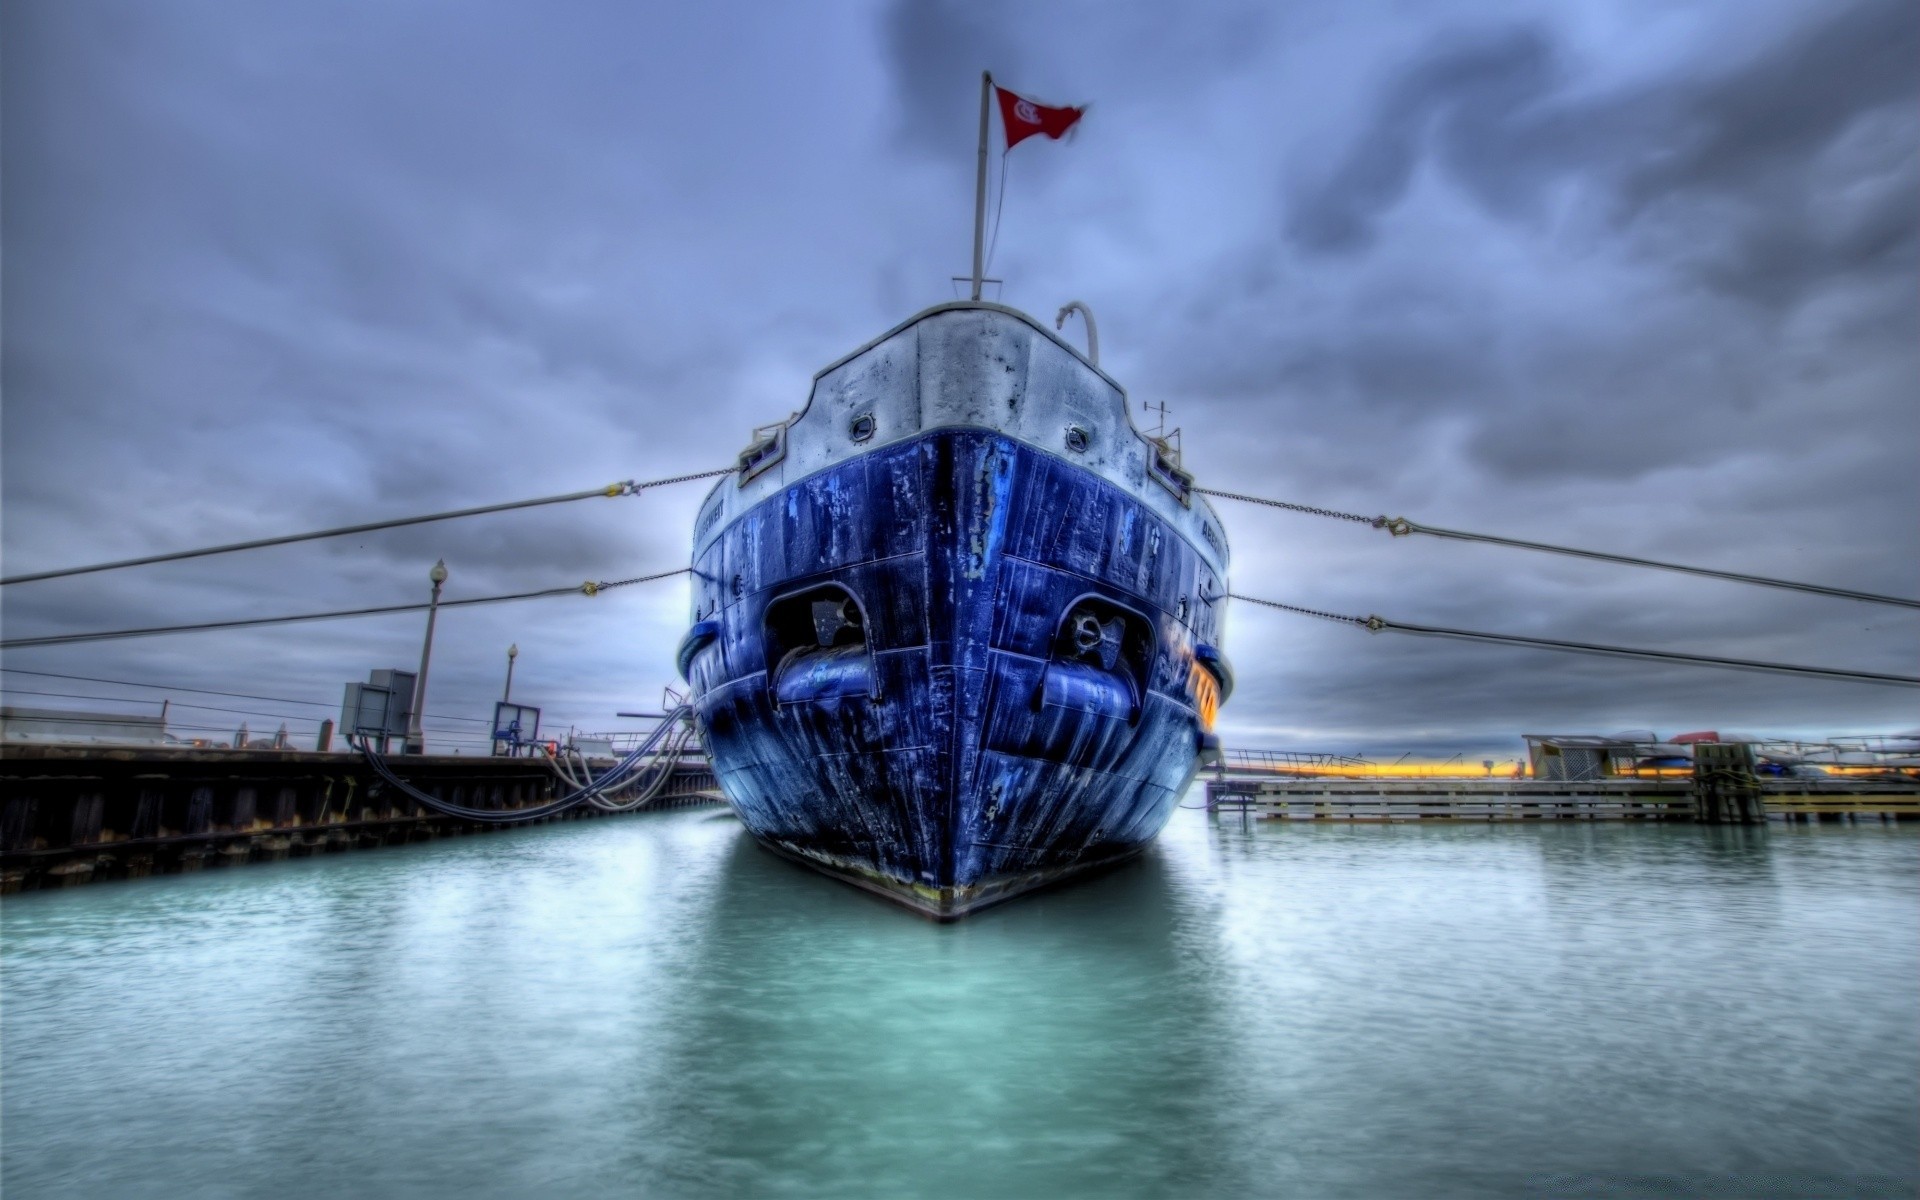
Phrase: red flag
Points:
(1024, 118)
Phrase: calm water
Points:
(654, 1007)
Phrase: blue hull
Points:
(954, 668)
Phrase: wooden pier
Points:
(1618, 799)
(71, 815)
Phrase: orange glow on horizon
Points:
(1506, 770)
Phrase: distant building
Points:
(87, 728)
(243, 740)
(1578, 758)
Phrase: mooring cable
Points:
(589, 588)
(1402, 527)
(626, 488)
(1378, 624)
(1309, 509)
(304, 718)
(169, 687)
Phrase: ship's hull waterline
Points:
(957, 666)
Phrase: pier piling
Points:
(71, 814)
(1721, 795)
(1726, 791)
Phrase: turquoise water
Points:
(654, 1007)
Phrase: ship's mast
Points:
(980, 184)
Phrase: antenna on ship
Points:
(1160, 412)
(1167, 439)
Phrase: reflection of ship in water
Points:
(1043, 1048)
(955, 622)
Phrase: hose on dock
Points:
(611, 793)
(1402, 527)
(674, 730)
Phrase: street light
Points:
(416, 738)
(506, 693)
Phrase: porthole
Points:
(862, 427)
(1076, 439)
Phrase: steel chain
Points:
(1373, 623)
(1299, 508)
(594, 587)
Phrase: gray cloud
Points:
(277, 267)
(1735, 174)
(1465, 100)
(937, 51)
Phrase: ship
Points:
(956, 623)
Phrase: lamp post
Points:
(416, 739)
(506, 693)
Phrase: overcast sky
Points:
(1637, 275)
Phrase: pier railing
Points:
(1719, 794)
(1286, 761)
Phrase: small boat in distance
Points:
(956, 623)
